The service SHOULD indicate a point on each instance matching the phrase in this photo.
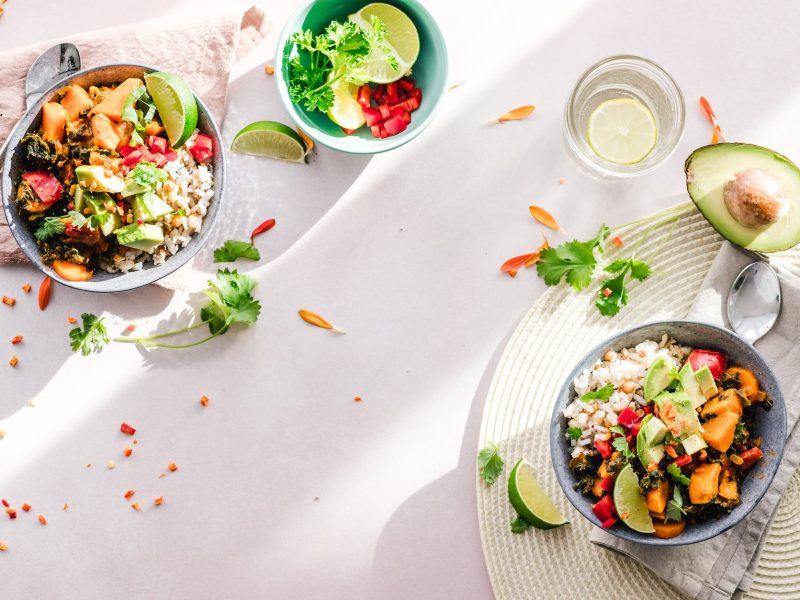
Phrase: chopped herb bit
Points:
(574, 432)
(604, 393)
(147, 174)
(617, 429)
(50, 227)
(490, 464)
(233, 249)
(677, 475)
(519, 525)
(675, 510)
(92, 338)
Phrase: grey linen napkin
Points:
(725, 565)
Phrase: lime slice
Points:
(270, 139)
(631, 506)
(622, 131)
(401, 37)
(346, 111)
(529, 500)
(175, 103)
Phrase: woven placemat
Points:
(558, 330)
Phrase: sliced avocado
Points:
(659, 377)
(678, 413)
(655, 431)
(749, 194)
(647, 452)
(693, 443)
(690, 385)
(89, 175)
(78, 199)
(150, 207)
(142, 237)
(99, 203)
(132, 188)
(706, 382)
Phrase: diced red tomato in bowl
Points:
(45, 185)
(387, 108)
(715, 361)
(203, 147)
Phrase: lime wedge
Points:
(175, 103)
(631, 506)
(401, 37)
(529, 500)
(622, 131)
(346, 111)
(270, 139)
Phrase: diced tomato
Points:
(609, 523)
(170, 155)
(603, 447)
(412, 104)
(44, 185)
(377, 94)
(604, 508)
(647, 409)
(635, 428)
(715, 361)
(630, 438)
(125, 150)
(384, 133)
(372, 115)
(391, 92)
(750, 457)
(395, 125)
(683, 460)
(406, 84)
(127, 429)
(627, 418)
(364, 95)
(132, 158)
(406, 117)
(607, 483)
(376, 131)
(157, 144)
(203, 147)
(384, 110)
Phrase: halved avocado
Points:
(710, 168)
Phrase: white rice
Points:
(188, 188)
(626, 371)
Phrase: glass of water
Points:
(609, 95)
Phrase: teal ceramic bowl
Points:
(429, 71)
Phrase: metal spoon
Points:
(754, 301)
(52, 65)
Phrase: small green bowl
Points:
(430, 73)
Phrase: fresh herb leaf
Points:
(79, 220)
(519, 525)
(613, 294)
(640, 270)
(50, 227)
(677, 475)
(91, 338)
(573, 260)
(231, 301)
(147, 174)
(139, 109)
(617, 429)
(490, 464)
(574, 432)
(604, 393)
(675, 510)
(233, 249)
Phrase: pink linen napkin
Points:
(200, 48)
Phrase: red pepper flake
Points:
(26, 288)
(204, 401)
(269, 70)
(26, 507)
(5, 502)
(44, 293)
(129, 494)
(617, 241)
(159, 501)
(16, 339)
(42, 520)
(357, 398)
(13, 361)
(66, 507)
(136, 506)
(135, 441)
(172, 467)
(9, 300)
(3, 545)
(607, 292)
(127, 451)
(72, 320)
(88, 465)
(12, 513)
(127, 429)
(130, 327)
(265, 226)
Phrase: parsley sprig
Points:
(490, 463)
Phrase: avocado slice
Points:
(647, 451)
(148, 207)
(691, 386)
(694, 443)
(706, 382)
(89, 175)
(132, 188)
(659, 377)
(142, 237)
(749, 194)
(678, 413)
(98, 203)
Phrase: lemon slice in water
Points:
(622, 131)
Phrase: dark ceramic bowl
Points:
(769, 425)
(102, 281)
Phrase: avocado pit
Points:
(755, 198)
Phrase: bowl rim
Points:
(556, 436)
(114, 284)
(334, 142)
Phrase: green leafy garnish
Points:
(620, 444)
(519, 525)
(574, 432)
(79, 220)
(93, 337)
(147, 174)
(573, 260)
(50, 227)
(613, 294)
(677, 475)
(233, 249)
(604, 393)
(675, 510)
(490, 464)
(617, 429)
(340, 52)
(139, 109)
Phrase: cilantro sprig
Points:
(603, 393)
(675, 510)
(147, 174)
(139, 109)
(233, 249)
(613, 293)
(677, 475)
(574, 261)
(490, 463)
(50, 227)
(92, 337)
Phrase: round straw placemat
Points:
(557, 331)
